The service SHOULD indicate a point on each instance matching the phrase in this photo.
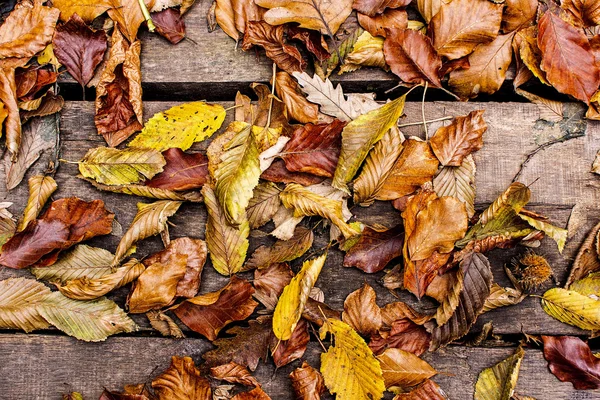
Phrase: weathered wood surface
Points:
(63, 364)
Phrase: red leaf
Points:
(169, 25)
(404, 335)
(284, 352)
(313, 40)
(30, 81)
(373, 7)
(375, 249)
(183, 171)
(571, 360)
(314, 149)
(278, 173)
(79, 48)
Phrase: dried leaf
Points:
(325, 16)
(518, 14)
(286, 351)
(227, 245)
(585, 11)
(571, 360)
(429, 8)
(499, 382)
(182, 380)
(295, 294)
(448, 305)
(367, 52)
(86, 9)
(428, 390)
(349, 367)
(567, 58)
(404, 369)
(361, 311)
(404, 335)
(550, 110)
(572, 308)
(263, 205)
(375, 249)
(182, 171)
(458, 182)
(7, 223)
(91, 321)
(207, 314)
(79, 48)
(164, 324)
(149, 192)
(390, 19)
(18, 300)
(41, 188)
(282, 250)
(502, 297)
(559, 235)
(269, 37)
(452, 143)
(307, 382)
(587, 259)
(254, 394)
(170, 25)
(269, 283)
(588, 286)
(374, 7)
(298, 107)
(412, 57)
(12, 129)
(150, 220)
(234, 373)
(277, 172)
(128, 16)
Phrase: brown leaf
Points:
(477, 281)
(156, 287)
(404, 369)
(181, 380)
(416, 165)
(587, 259)
(79, 48)
(428, 390)
(282, 250)
(260, 33)
(313, 40)
(128, 16)
(452, 143)
(374, 7)
(586, 11)
(567, 58)
(195, 251)
(183, 171)
(308, 383)
(277, 172)
(246, 346)
(254, 394)
(119, 92)
(12, 123)
(286, 351)
(518, 14)
(314, 149)
(108, 395)
(86, 9)
(398, 310)
(233, 15)
(318, 312)
(50, 104)
(571, 360)
(375, 249)
(404, 335)
(269, 283)
(30, 82)
(461, 25)
(234, 373)
(170, 25)
(296, 104)
(207, 314)
(164, 324)
(390, 19)
(361, 311)
(263, 205)
(412, 57)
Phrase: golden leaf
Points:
(147, 191)
(164, 324)
(452, 143)
(458, 182)
(291, 302)
(41, 188)
(263, 204)
(298, 107)
(404, 369)
(450, 302)
(499, 382)
(572, 308)
(361, 311)
(282, 250)
(18, 299)
(590, 285)
(367, 52)
(86, 9)
(559, 235)
(181, 381)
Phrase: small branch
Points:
(427, 122)
(147, 17)
(538, 149)
(423, 111)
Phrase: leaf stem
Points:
(427, 122)
(423, 111)
(147, 17)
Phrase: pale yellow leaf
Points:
(18, 299)
(41, 188)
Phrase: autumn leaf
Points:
(164, 324)
(571, 360)
(452, 143)
(349, 368)
(325, 16)
(518, 14)
(7, 223)
(499, 382)
(559, 235)
(227, 245)
(412, 57)
(374, 7)
(269, 283)
(128, 16)
(488, 65)
(314, 149)
(461, 25)
(282, 250)
(307, 382)
(587, 259)
(254, 394)
(458, 182)
(91, 321)
(263, 205)
(375, 249)
(550, 110)
(587, 12)
(30, 245)
(182, 380)
(156, 287)
(286, 351)
(313, 41)
(86, 9)
(572, 308)
(269, 37)
(367, 52)
(89, 289)
(150, 220)
(182, 171)
(427, 390)
(360, 135)
(234, 373)
(18, 299)
(415, 166)
(298, 107)
(404, 369)
(277, 172)
(207, 314)
(502, 297)
(79, 48)
(170, 25)
(390, 19)
(361, 311)
(305, 203)
(567, 58)
(232, 16)
(590, 285)
(41, 188)
(291, 302)
(404, 334)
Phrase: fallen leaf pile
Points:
(295, 165)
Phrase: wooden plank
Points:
(64, 364)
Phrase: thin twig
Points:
(538, 149)
(423, 111)
(428, 122)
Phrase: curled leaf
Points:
(572, 308)
(41, 188)
(181, 380)
(499, 382)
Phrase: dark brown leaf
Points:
(317, 312)
(269, 283)
(234, 373)
(183, 381)
(375, 249)
(254, 394)
(209, 313)
(404, 335)
(282, 250)
(374, 7)
(170, 25)
(31, 81)
(183, 171)
(313, 40)
(571, 360)
(278, 173)
(286, 351)
(452, 143)
(308, 383)
(79, 48)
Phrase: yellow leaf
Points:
(40, 189)
(150, 220)
(147, 191)
(86, 9)
(112, 166)
(18, 298)
(590, 285)
(47, 57)
(367, 52)
(306, 203)
(82, 261)
(403, 368)
(499, 382)
(558, 234)
(291, 302)
(227, 245)
(349, 368)
(359, 136)
(237, 173)
(572, 308)
(88, 289)
(180, 126)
